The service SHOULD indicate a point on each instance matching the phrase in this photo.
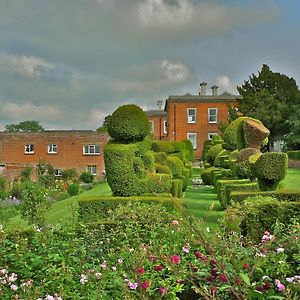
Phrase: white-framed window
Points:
(191, 115)
(212, 115)
(92, 169)
(52, 148)
(91, 149)
(165, 127)
(151, 126)
(211, 134)
(29, 149)
(192, 136)
(58, 172)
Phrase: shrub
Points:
(162, 146)
(128, 123)
(261, 213)
(207, 175)
(295, 155)
(34, 203)
(163, 169)
(160, 158)
(190, 152)
(69, 174)
(223, 174)
(206, 146)
(242, 170)
(229, 188)
(244, 154)
(178, 146)
(176, 165)
(220, 187)
(86, 177)
(2, 183)
(220, 159)
(177, 188)
(281, 195)
(26, 173)
(270, 169)
(94, 208)
(212, 153)
(126, 173)
(73, 189)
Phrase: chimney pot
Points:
(203, 88)
(214, 89)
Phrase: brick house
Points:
(158, 123)
(193, 117)
(65, 149)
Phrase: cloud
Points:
(225, 84)
(28, 66)
(28, 111)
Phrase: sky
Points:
(69, 63)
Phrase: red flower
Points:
(223, 277)
(163, 290)
(267, 286)
(246, 266)
(195, 269)
(198, 254)
(204, 258)
(158, 268)
(140, 270)
(152, 258)
(144, 285)
(213, 272)
(238, 281)
(175, 259)
(213, 262)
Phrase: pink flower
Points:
(140, 270)
(223, 277)
(13, 287)
(279, 250)
(279, 285)
(175, 259)
(246, 266)
(163, 290)
(198, 254)
(132, 285)
(152, 258)
(175, 222)
(186, 249)
(158, 268)
(144, 285)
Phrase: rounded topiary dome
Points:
(128, 123)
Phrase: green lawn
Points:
(292, 179)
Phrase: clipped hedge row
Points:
(281, 195)
(295, 155)
(177, 188)
(95, 208)
(189, 148)
(261, 213)
(162, 146)
(207, 175)
(220, 185)
(212, 153)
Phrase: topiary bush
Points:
(86, 177)
(295, 155)
(162, 169)
(73, 189)
(189, 149)
(178, 146)
(212, 153)
(220, 159)
(160, 158)
(207, 175)
(176, 165)
(128, 124)
(162, 146)
(270, 168)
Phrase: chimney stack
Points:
(203, 88)
(214, 90)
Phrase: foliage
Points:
(220, 160)
(34, 203)
(232, 115)
(213, 152)
(86, 177)
(270, 97)
(292, 139)
(270, 168)
(69, 174)
(73, 189)
(128, 123)
(26, 173)
(27, 126)
(144, 252)
(175, 164)
(162, 146)
(103, 128)
(207, 175)
(190, 153)
(294, 155)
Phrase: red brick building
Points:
(79, 149)
(193, 117)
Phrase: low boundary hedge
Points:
(281, 195)
(295, 155)
(95, 208)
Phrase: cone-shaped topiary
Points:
(128, 123)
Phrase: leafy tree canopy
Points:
(103, 128)
(27, 126)
(270, 97)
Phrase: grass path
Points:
(292, 179)
(201, 201)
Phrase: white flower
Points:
(49, 297)
(114, 268)
(13, 277)
(279, 250)
(13, 287)
(120, 260)
(103, 265)
(98, 275)
(3, 271)
(83, 279)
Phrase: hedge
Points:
(229, 188)
(190, 152)
(176, 165)
(212, 153)
(126, 172)
(160, 158)
(207, 175)
(222, 174)
(295, 155)
(162, 169)
(270, 168)
(281, 195)
(259, 214)
(220, 186)
(128, 123)
(177, 187)
(220, 158)
(94, 208)
(178, 146)
(162, 146)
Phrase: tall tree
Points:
(27, 126)
(272, 98)
(103, 128)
